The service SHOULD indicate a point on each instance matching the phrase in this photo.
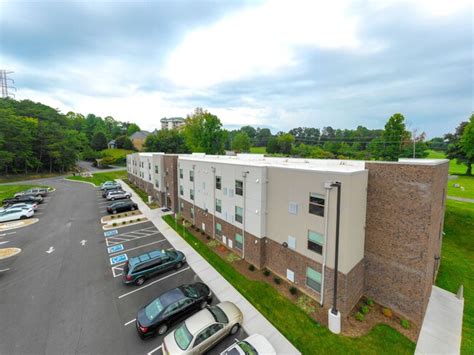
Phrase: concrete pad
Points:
(442, 327)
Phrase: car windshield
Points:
(190, 291)
(247, 348)
(218, 314)
(182, 336)
(153, 309)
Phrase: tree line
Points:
(38, 138)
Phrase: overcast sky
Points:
(278, 64)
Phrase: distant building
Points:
(112, 144)
(138, 139)
(172, 122)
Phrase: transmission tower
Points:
(5, 85)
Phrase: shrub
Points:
(232, 257)
(114, 224)
(112, 217)
(138, 219)
(387, 312)
(293, 290)
(370, 302)
(208, 237)
(125, 214)
(251, 267)
(306, 304)
(359, 316)
(277, 280)
(266, 272)
(364, 309)
(124, 222)
(405, 323)
(212, 243)
(197, 230)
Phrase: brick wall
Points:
(171, 181)
(405, 210)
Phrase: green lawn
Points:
(467, 182)
(258, 150)
(454, 168)
(120, 155)
(7, 191)
(457, 263)
(297, 326)
(99, 178)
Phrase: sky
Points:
(275, 64)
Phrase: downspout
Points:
(336, 259)
(244, 175)
(213, 168)
(328, 188)
(194, 195)
(179, 198)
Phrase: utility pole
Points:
(4, 84)
(414, 142)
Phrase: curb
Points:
(83, 182)
(110, 226)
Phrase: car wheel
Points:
(113, 198)
(133, 208)
(162, 329)
(178, 265)
(22, 217)
(234, 329)
(114, 211)
(203, 305)
(140, 281)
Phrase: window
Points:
(149, 166)
(293, 208)
(218, 182)
(239, 240)
(191, 175)
(239, 211)
(218, 229)
(157, 183)
(315, 242)
(218, 205)
(191, 211)
(156, 169)
(149, 177)
(313, 279)
(191, 194)
(290, 275)
(291, 242)
(180, 173)
(316, 204)
(181, 190)
(181, 205)
(239, 187)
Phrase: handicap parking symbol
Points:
(115, 248)
(118, 259)
(110, 233)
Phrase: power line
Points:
(5, 85)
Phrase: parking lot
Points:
(65, 290)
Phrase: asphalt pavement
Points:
(63, 296)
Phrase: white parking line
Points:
(5, 270)
(4, 234)
(130, 322)
(158, 348)
(138, 247)
(115, 240)
(152, 283)
(102, 211)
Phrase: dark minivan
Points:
(145, 266)
(122, 206)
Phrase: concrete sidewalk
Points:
(442, 327)
(254, 321)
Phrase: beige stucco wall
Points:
(292, 185)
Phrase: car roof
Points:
(199, 321)
(146, 257)
(171, 296)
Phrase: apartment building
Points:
(281, 214)
(172, 122)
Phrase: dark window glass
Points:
(218, 183)
(316, 204)
(239, 187)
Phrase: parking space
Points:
(124, 243)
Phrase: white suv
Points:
(118, 195)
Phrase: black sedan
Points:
(22, 199)
(122, 206)
(171, 307)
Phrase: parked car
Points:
(25, 206)
(121, 206)
(111, 188)
(170, 307)
(202, 331)
(117, 195)
(255, 344)
(12, 214)
(108, 184)
(22, 199)
(35, 191)
(150, 264)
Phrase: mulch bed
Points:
(350, 326)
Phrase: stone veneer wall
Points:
(147, 187)
(171, 181)
(405, 211)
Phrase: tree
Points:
(262, 137)
(241, 142)
(467, 144)
(285, 143)
(272, 145)
(456, 147)
(394, 137)
(132, 128)
(203, 132)
(99, 141)
(166, 141)
(123, 142)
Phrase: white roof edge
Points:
(418, 161)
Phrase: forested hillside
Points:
(37, 138)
